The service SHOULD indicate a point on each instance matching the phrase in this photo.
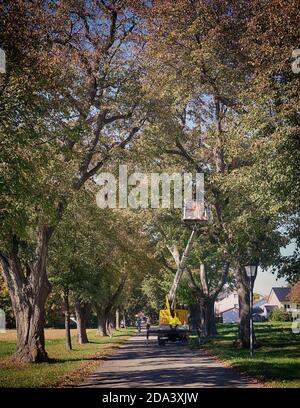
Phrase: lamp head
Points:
(251, 270)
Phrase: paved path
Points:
(139, 365)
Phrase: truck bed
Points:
(168, 333)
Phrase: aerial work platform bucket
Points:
(195, 211)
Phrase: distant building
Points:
(230, 301)
(230, 315)
(227, 307)
(280, 297)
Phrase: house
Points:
(230, 301)
(230, 315)
(280, 297)
(227, 308)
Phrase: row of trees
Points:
(166, 86)
(228, 105)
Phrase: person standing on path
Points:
(148, 325)
(139, 324)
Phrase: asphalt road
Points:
(140, 365)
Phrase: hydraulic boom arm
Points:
(181, 264)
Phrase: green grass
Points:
(65, 368)
(276, 362)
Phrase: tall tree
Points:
(79, 114)
(203, 64)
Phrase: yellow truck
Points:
(180, 316)
(173, 325)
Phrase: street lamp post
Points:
(251, 272)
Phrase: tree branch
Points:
(222, 280)
(192, 284)
(163, 258)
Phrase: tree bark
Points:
(108, 327)
(117, 319)
(104, 311)
(82, 313)
(29, 309)
(101, 322)
(206, 300)
(207, 317)
(28, 293)
(67, 320)
(195, 322)
(244, 310)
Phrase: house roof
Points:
(269, 307)
(283, 294)
(260, 302)
(227, 310)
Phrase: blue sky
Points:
(265, 280)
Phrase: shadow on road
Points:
(141, 365)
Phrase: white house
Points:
(230, 315)
(280, 297)
(229, 302)
(227, 308)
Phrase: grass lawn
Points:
(276, 362)
(65, 368)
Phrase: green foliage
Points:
(280, 315)
(93, 250)
(208, 100)
(276, 362)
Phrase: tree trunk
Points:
(28, 293)
(108, 327)
(100, 330)
(109, 323)
(117, 319)
(67, 320)
(207, 317)
(29, 309)
(244, 310)
(206, 299)
(82, 313)
(195, 322)
(101, 321)
(104, 312)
